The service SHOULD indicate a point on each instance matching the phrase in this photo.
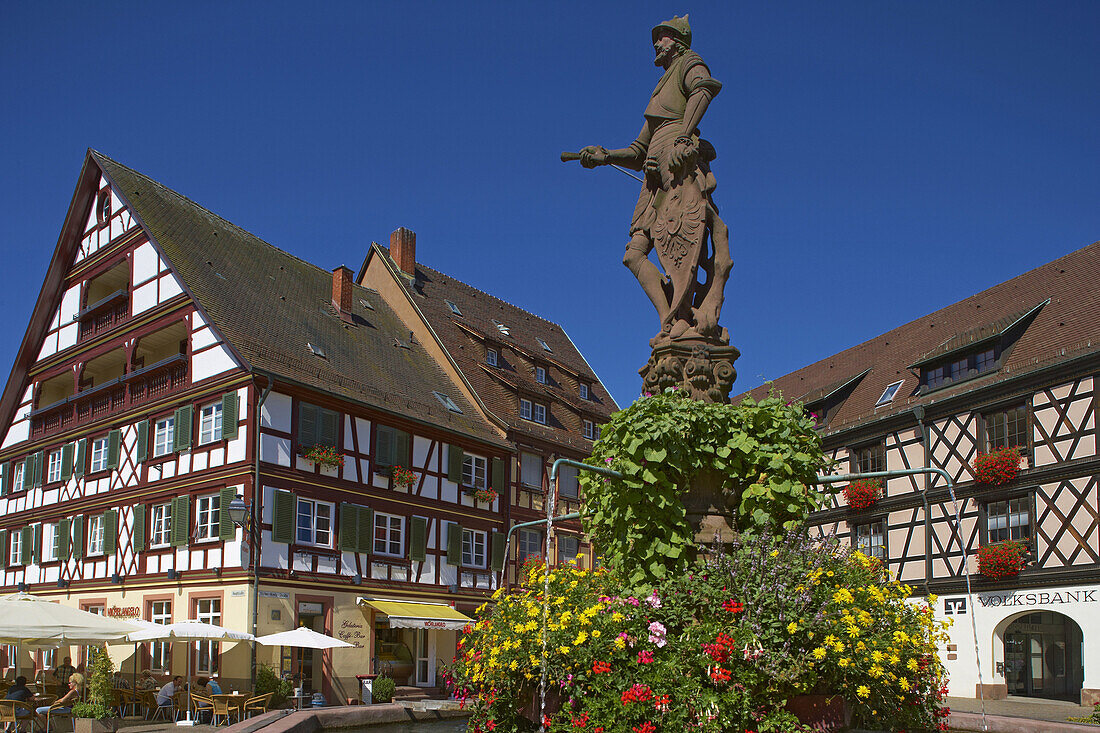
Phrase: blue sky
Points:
(877, 160)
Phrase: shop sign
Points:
(311, 608)
(954, 606)
(238, 593)
(124, 611)
(1044, 598)
(429, 624)
(273, 594)
(352, 633)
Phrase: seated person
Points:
(200, 686)
(164, 697)
(214, 687)
(63, 704)
(119, 682)
(147, 681)
(21, 693)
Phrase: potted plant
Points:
(403, 477)
(324, 456)
(95, 714)
(1002, 560)
(863, 493)
(383, 689)
(486, 495)
(997, 467)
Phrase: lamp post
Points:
(240, 513)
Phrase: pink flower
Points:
(653, 600)
(645, 657)
(657, 633)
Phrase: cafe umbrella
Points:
(303, 638)
(189, 631)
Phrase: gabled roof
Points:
(497, 387)
(1065, 325)
(270, 306)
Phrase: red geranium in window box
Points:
(403, 477)
(863, 493)
(1002, 560)
(997, 467)
(324, 455)
(486, 495)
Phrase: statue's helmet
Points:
(678, 27)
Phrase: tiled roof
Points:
(1067, 327)
(269, 305)
(498, 387)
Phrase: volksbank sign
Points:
(1039, 598)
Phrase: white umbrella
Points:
(303, 638)
(34, 621)
(189, 631)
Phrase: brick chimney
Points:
(403, 249)
(341, 291)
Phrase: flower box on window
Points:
(403, 477)
(325, 456)
(1002, 560)
(863, 493)
(997, 467)
(486, 495)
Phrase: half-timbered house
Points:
(1011, 367)
(176, 367)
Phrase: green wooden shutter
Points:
(366, 529)
(402, 446)
(383, 447)
(67, 461)
(28, 472)
(182, 426)
(24, 549)
(180, 534)
(500, 480)
(39, 462)
(78, 537)
(498, 551)
(454, 544)
(226, 529)
(139, 528)
(418, 539)
(64, 540)
(307, 426)
(455, 457)
(5, 478)
(36, 544)
(81, 457)
(110, 532)
(229, 415)
(114, 438)
(329, 428)
(4, 548)
(282, 517)
(349, 527)
(142, 441)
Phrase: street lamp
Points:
(238, 511)
(240, 515)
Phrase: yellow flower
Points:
(912, 664)
(875, 671)
(844, 662)
(792, 627)
(596, 633)
(863, 691)
(620, 642)
(903, 684)
(819, 653)
(563, 649)
(617, 617)
(581, 637)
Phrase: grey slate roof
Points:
(269, 305)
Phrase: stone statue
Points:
(676, 216)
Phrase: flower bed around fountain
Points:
(721, 639)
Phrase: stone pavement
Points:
(1018, 714)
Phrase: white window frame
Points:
(865, 537)
(582, 390)
(393, 528)
(562, 539)
(526, 409)
(475, 471)
(474, 544)
(210, 423)
(17, 476)
(538, 413)
(160, 652)
(96, 534)
(530, 544)
(53, 470)
(160, 527)
(491, 357)
(15, 547)
(99, 455)
(207, 517)
(569, 483)
(318, 515)
(540, 375)
(49, 542)
(523, 474)
(589, 429)
(889, 393)
(164, 434)
(207, 653)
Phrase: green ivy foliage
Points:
(765, 456)
(98, 694)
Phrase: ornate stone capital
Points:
(703, 369)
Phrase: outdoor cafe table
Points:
(234, 701)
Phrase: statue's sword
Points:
(567, 156)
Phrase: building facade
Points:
(175, 364)
(1012, 367)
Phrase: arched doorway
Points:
(1043, 656)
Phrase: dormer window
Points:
(453, 307)
(502, 328)
(491, 357)
(583, 390)
(540, 375)
(958, 369)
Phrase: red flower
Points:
(600, 667)
(645, 727)
(720, 675)
(720, 650)
(637, 693)
(863, 493)
(1002, 560)
(997, 467)
(645, 657)
(733, 606)
(581, 722)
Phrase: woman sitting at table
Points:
(64, 704)
(21, 693)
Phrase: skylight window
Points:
(545, 346)
(447, 402)
(889, 393)
(366, 304)
(453, 307)
(501, 327)
(317, 350)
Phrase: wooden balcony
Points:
(104, 315)
(117, 395)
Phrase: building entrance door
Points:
(309, 660)
(1043, 656)
(422, 658)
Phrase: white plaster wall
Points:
(211, 363)
(274, 449)
(143, 298)
(276, 410)
(146, 264)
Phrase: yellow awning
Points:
(409, 615)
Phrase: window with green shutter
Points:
(28, 472)
(226, 529)
(81, 457)
(5, 478)
(366, 529)
(78, 537)
(36, 544)
(418, 539)
(499, 549)
(181, 521)
(39, 461)
(454, 544)
(4, 548)
(67, 451)
(455, 457)
(114, 441)
(64, 539)
(183, 425)
(110, 532)
(139, 528)
(391, 448)
(349, 527)
(500, 476)
(142, 441)
(284, 507)
(230, 415)
(317, 426)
